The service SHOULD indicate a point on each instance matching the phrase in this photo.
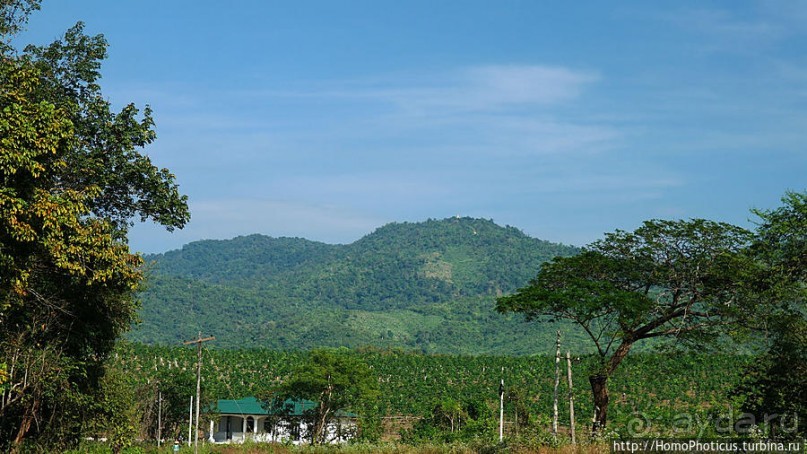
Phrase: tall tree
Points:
(775, 386)
(72, 179)
(335, 380)
(666, 279)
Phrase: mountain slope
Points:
(429, 286)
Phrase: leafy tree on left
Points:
(73, 179)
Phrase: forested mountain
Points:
(427, 286)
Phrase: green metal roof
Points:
(245, 406)
(253, 406)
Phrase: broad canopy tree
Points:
(335, 380)
(72, 179)
(681, 279)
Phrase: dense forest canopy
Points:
(428, 286)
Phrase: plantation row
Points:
(656, 389)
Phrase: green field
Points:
(650, 393)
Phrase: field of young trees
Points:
(663, 393)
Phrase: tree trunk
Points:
(599, 390)
(28, 417)
(620, 354)
(320, 432)
(599, 384)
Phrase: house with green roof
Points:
(249, 419)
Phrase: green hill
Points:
(426, 286)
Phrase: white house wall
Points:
(282, 430)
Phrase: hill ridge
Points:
(427, 286)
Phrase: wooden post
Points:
(198, 341)
(571, 393)
(501, 408)
(190, 421)
(557, 384)
(159, 418)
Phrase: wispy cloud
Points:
(473, 89)
(528, 84)
(499, 110)
(494, 88)
(483, 111)
(724, 31)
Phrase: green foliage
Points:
(668, 278)
(681, 279)
(782, 236)
(71, 177)
(3, 377)
(451, 420)
(117, 416)
(13, 16)
(657, 388)
(107, 157)
(175, 386)
(775, 386)
(426, 286)
(335, 380)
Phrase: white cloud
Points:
(490, 88)
(502, 85)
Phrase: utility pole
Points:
(198, 341)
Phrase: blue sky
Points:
(328, 119)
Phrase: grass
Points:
(358, 448)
